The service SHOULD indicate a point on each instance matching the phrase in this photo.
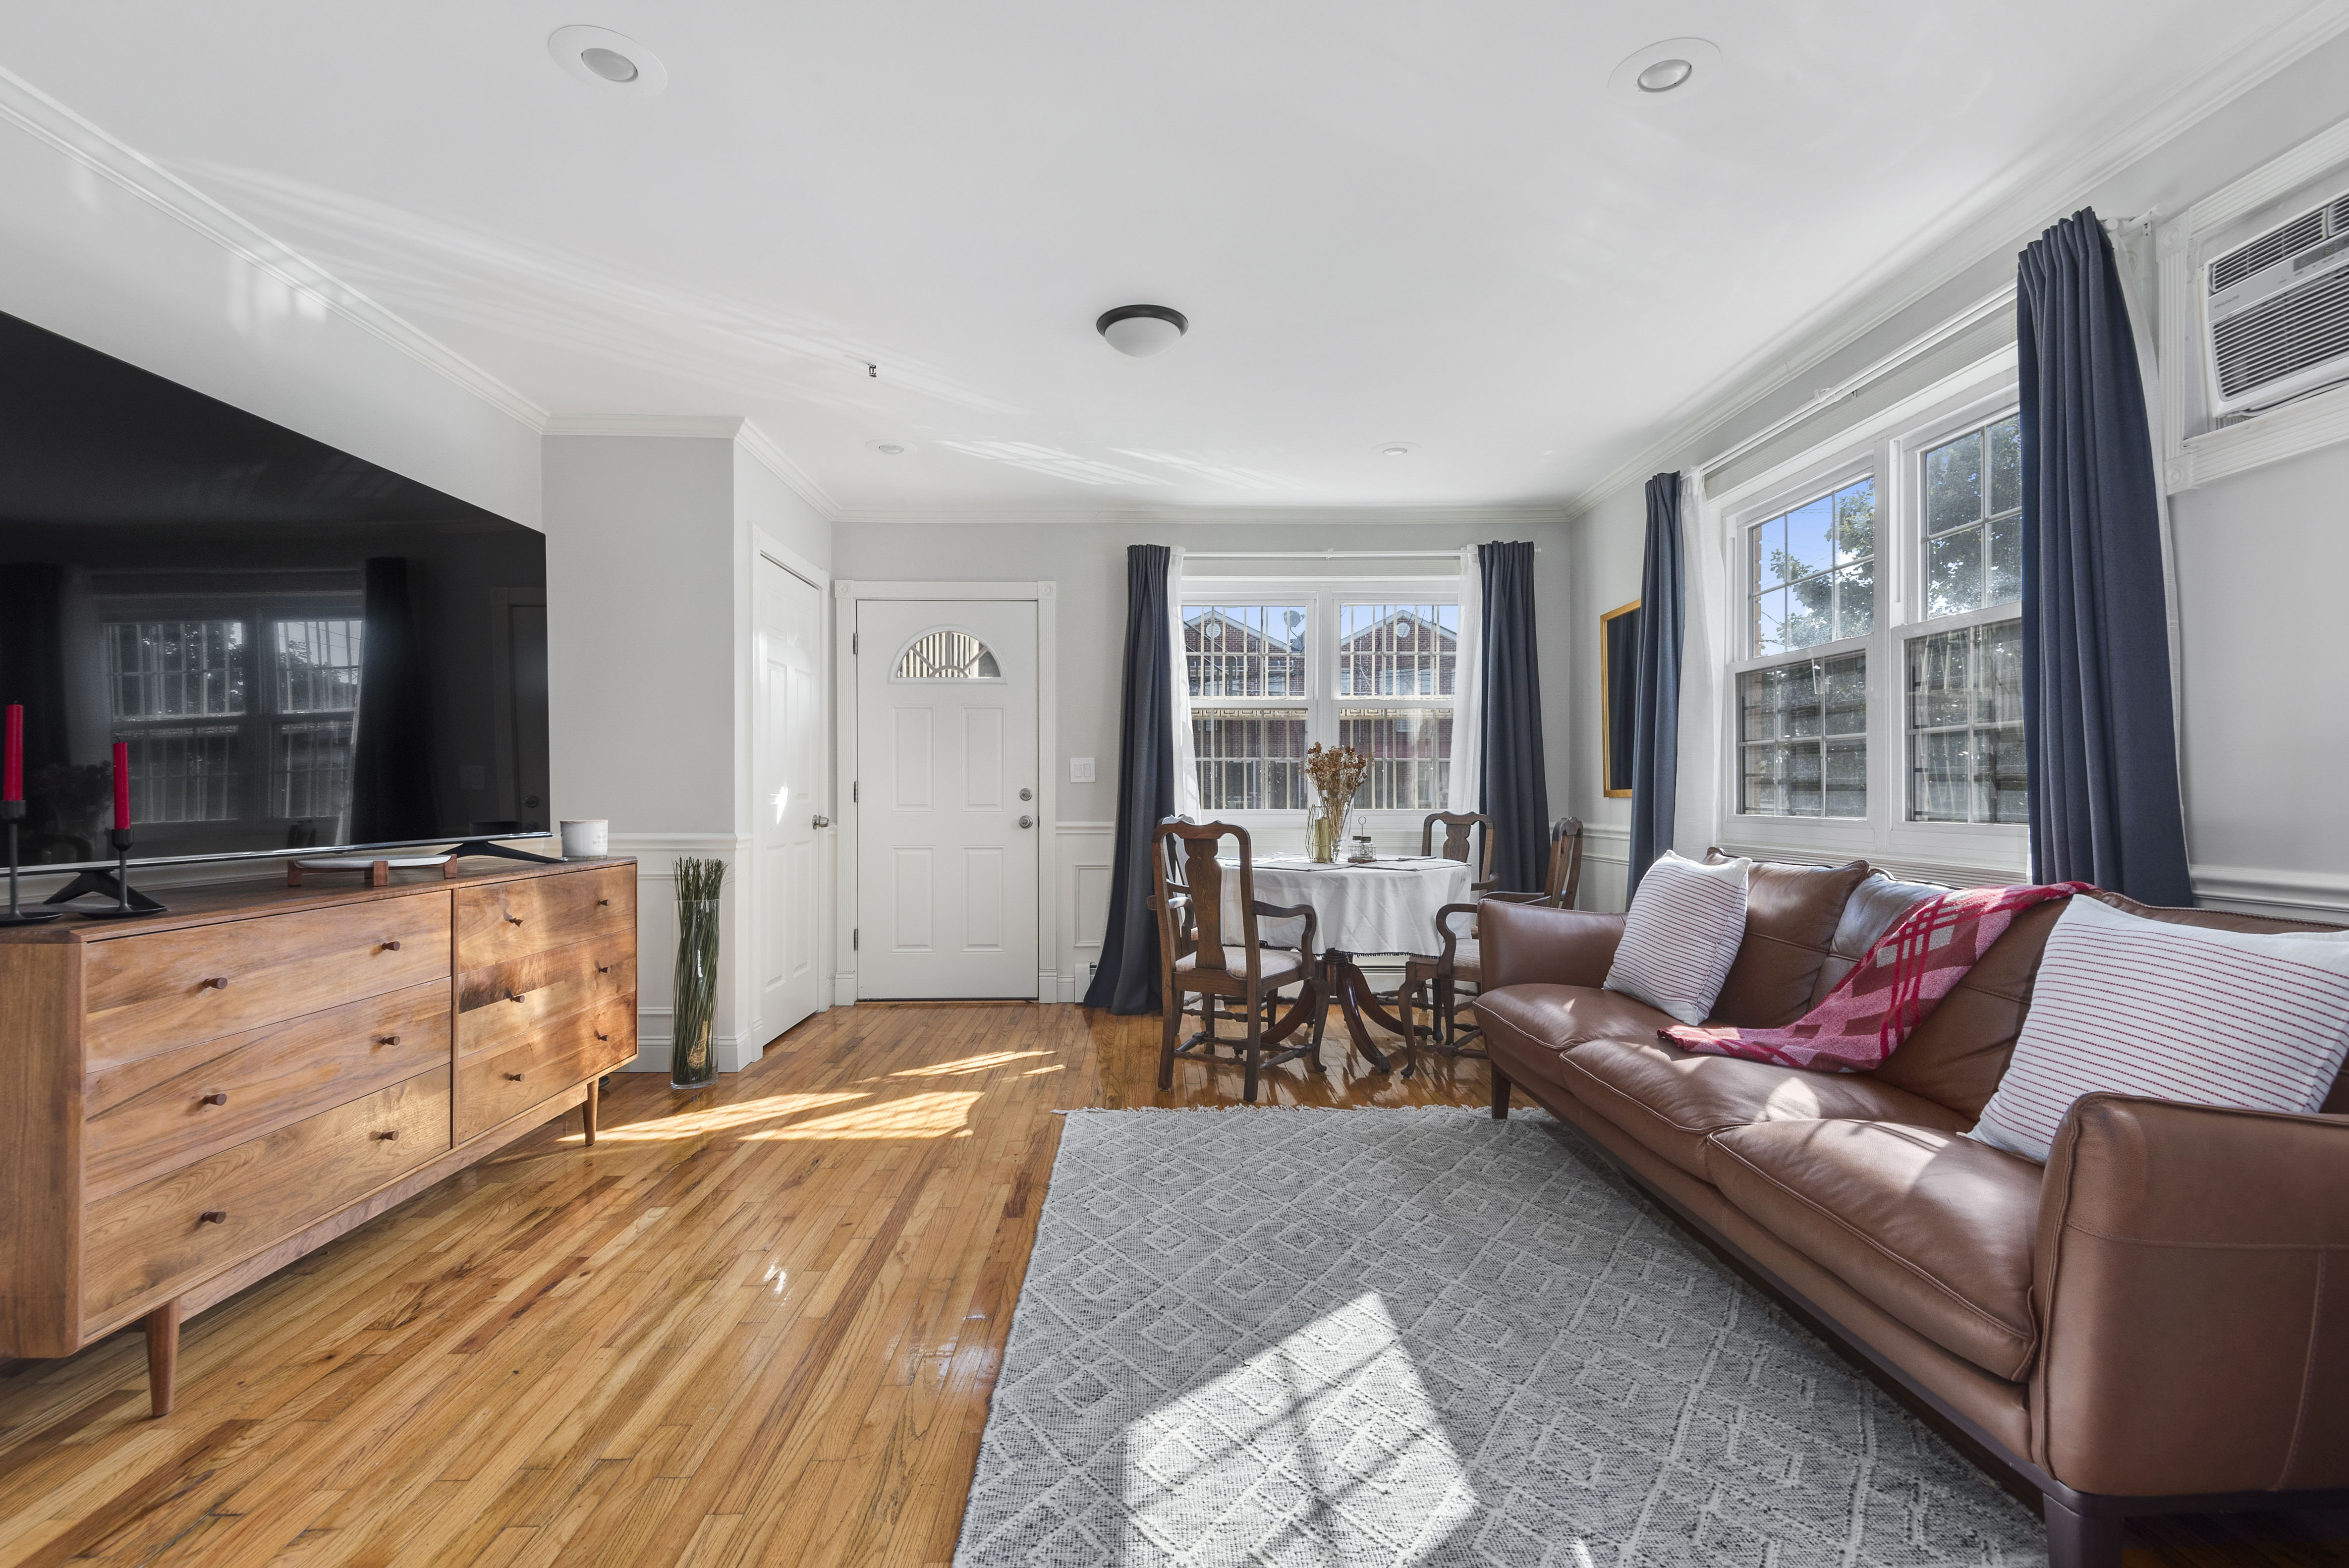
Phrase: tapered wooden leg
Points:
(1254, 1046)
(162, 1357)
(1174, 1035)
(1500, 1095)
(587, 1111)
(2081, 1540)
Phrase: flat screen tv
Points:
(302, 652)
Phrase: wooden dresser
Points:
(188, 1101)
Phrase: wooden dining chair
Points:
(1460, 827)
(1221, 964)
(1459, 960)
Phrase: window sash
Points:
(1404, 774)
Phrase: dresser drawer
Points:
(511, 920)
(503, 1003)
(496, 1085)
(145, 994)
(150, 1242)
(167, 1110)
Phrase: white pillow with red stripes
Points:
(1682, 934)
(2124, 1004)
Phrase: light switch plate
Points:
(1080, 770)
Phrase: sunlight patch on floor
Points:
(1325, 1448)
(942, 1113)
(726, 1117)
(967, 1065)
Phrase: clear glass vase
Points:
(694, 995)
(1324, 831)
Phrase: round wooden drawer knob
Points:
(212, 1217)
(514, 1077)
(516, 996)
(387, 1137)
(513, 919)
(603, 903)
(603, 969)
(392, 947)
(217, 983)
(216, 1097)
(602, 1035)
(388, 1040)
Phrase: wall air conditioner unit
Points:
(2275, 312)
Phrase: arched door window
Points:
(946, 655)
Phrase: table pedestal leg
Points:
(1356, 999)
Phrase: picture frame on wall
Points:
(1619, 673)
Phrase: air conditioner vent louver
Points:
(2287, 333)
(2269, 248)
(2341, 216)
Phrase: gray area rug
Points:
(1296, 1337)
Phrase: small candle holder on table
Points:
(114, 884)
(13, 812)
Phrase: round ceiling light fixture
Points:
(607, 60)
(1397, 449)
(1139, 331)
(1676, 67)
(888, 449)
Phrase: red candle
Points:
(121, 785)
(12, 771)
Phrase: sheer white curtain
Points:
(1467, 779)
(1178, 667)
(1704, 669)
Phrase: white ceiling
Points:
(1387, 222)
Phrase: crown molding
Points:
(998, 514)
(756, 444)
(44, 119)
(769, 454)
(2032, 200)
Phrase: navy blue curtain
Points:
(1127, 978)
(1517, 793)
(2098, 737)
(1656, 688)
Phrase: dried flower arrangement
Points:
(1337, 771)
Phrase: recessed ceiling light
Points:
(1677, 67)
(888, 449)
(1664, 75)
(1396, 448)
(607, 60)
(1139, 331)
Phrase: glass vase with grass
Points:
(693, 1001)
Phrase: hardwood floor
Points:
(755, 1324)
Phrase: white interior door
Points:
(787, 760)
(947, 775)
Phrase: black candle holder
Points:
(114, 884)
(13, 812)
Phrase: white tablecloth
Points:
(1385, 907)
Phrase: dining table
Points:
(1363, 909)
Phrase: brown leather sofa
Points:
(2144, 1325)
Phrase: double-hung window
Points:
(1276, 667)
(1875, 694)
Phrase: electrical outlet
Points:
(1080, 770)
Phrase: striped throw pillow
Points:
(1682, 934)
(2124, 1004)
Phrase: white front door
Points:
(787, 760)
(946, 777)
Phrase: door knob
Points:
(1027, 794)
(1026, 821)
(821, 822)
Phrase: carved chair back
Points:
(1460, 829)
(1188, 851)
(1565, 878)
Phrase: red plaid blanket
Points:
(1890, 991)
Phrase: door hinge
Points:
(856, 938)
(854, 639)
(855, 790)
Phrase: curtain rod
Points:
(1326, 554)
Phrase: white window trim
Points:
(1322, 597)
(1890, 448)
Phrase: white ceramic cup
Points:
(586, 841)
